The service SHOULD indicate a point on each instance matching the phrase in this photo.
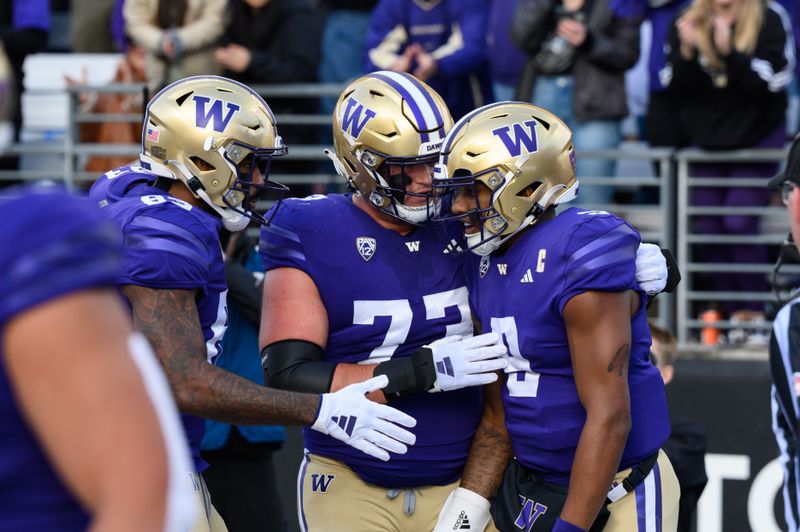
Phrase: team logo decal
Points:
(529, 513)
(483, 268)
(218, 116)
(515, 140)
(321, 482)
(366, 246)
(352, 122)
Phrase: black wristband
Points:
(408, 375)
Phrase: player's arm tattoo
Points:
(169, 320)
(491, 446)
(620, 360)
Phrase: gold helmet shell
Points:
(385, 119)
(522, 153)
(201, 130)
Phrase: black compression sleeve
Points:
(408, 375)
(296, 365)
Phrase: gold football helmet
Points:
(388, 126)
(522, 153)
(218, 138)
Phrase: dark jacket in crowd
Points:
(611, 48)
(748, 101)
(24, 27)
(350, 5)
(283, 37)
(663, 125)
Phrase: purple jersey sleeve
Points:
(166, 247)
(600, 256)
(280, 245)
(122, 182)
(51, 244)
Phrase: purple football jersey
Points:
(125, 181)
(521, 294)
(51, 244)
(168, 244)
(386, 295)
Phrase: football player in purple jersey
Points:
(582, 409)
(207, 143)
(361, 284)
(90, 435)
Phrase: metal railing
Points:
(692, 298)
(667, 223)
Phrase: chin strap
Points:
(338, 165)
(496, 241)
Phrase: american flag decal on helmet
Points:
(152, 134)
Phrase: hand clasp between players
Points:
(462, 362)
(372, 428)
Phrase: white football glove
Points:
(368, 426)
(651, 269)
(462, 362)
(463, 507)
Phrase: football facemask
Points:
(387, 130)
(501, 167)
(218, 137)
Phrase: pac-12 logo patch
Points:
(366, 246)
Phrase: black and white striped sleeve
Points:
(784, 357)
(771, 66)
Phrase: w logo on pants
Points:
(530, 512)
(320, 483)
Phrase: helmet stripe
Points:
(414, 96)
(436, 114)
(446, 147)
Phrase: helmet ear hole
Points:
(530, 190)
(202, 164)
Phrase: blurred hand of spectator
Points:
(403, 62)
(573, 31)
(687, 32)
(722, 34)
(234, 57)
(426, 66)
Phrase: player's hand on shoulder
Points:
(463, 507)
(651, 268)
(462, 362)
(372, 428)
